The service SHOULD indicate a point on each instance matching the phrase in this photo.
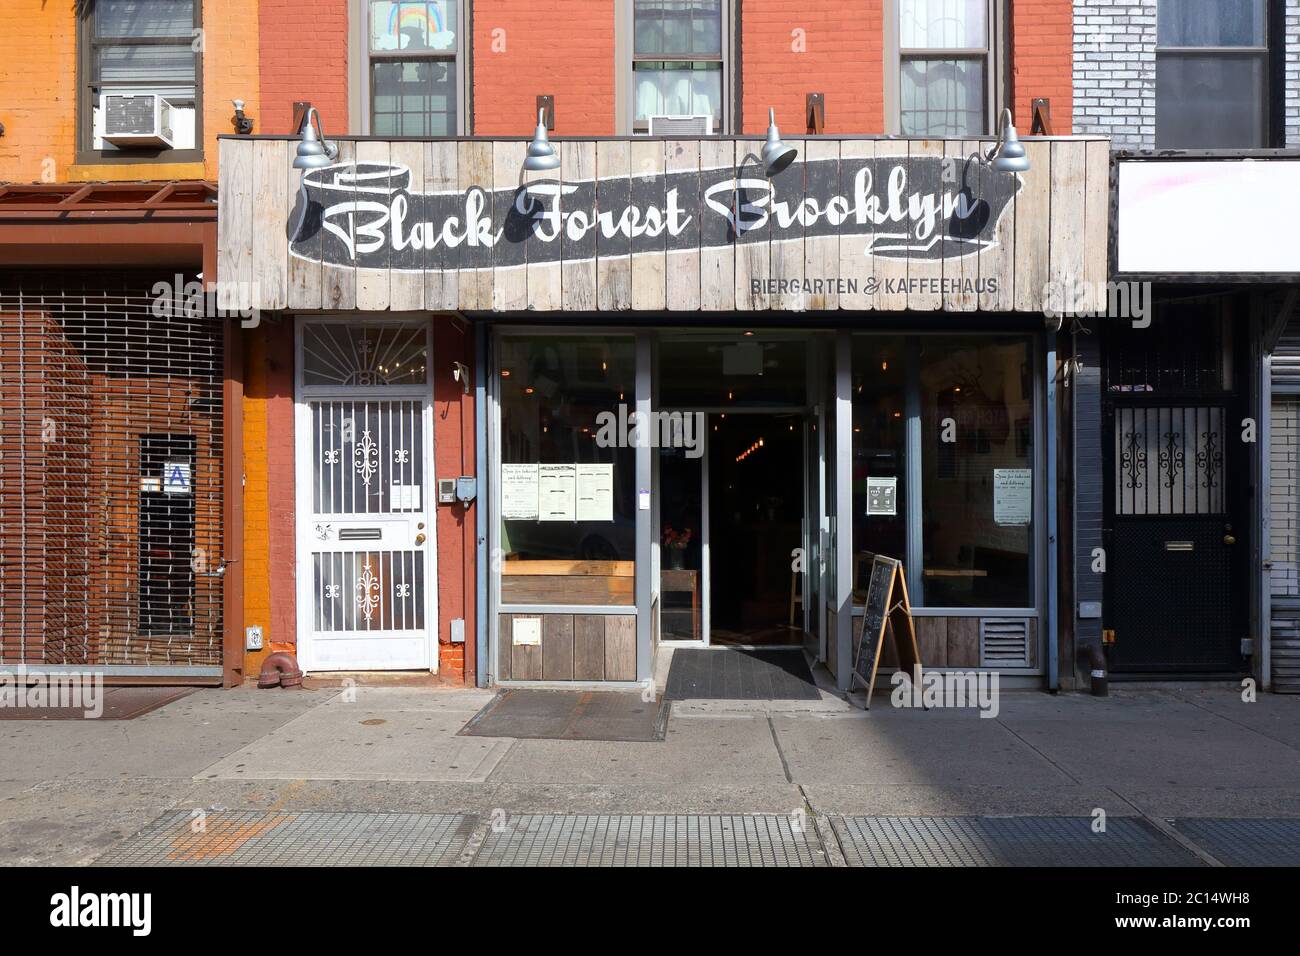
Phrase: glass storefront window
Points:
(977, 465)
(879, 453)
(567, 472)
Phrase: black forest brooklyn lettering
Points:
(366, 215)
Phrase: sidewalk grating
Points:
(1242, 842)
(724, 840)
(1005, 841)
(258, 838)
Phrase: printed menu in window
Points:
(596, 492)
(557, 492)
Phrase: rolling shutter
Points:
(110, 477)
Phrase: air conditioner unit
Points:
(137, 119)
(681, 125)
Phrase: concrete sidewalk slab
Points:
(1188, 751)
(935, 748)
(698, 752)
(178, 739)
(384, 734)
(906, 799)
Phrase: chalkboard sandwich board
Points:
(887, 608)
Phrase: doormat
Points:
(570, 715)
(120, 703)
(735, 674)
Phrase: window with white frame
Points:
(140, 77)
(945, 68)
(413, 49)
(678, 60)
(1212, 74)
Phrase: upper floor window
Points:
(141, 89)
(1212, 74)
(945, 73)
(678, 61)
(412, 67)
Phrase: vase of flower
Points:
(675, 543)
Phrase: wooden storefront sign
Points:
(887, 609)
(661, 225)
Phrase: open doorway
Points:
(734, 507)
(756, 502)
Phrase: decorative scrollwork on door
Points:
(1171, 458)
(1134, 459)
(1185, 446)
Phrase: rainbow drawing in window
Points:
(411, 26)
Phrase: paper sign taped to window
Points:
(519, 492)
(404, 498)
(1013, 496)
(882, 495)
(526, 632)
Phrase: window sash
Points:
(90, 85)
(692, 61)
(1261, 102)
(994, 36)
(366, 59)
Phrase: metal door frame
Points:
(303, 394)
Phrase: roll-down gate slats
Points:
(110, 475)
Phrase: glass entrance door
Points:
(683, 536)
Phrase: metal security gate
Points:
(1176, 541)
(364, 515)
(110, 475)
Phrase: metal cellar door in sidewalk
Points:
(366, 578)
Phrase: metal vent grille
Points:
(1004, 642)
(1285, 627)
(110, 474)
(129, 114)
(681, 125)
(1285, 366)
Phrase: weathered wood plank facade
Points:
(652, 225)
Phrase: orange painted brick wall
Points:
(813, 46)
(269, 527)
(523, 48)
(38, 104)
(1043, 60)
(304, 56)
(257, 527)
(38, 96)
(454, 451)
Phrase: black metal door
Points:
(1176, 477)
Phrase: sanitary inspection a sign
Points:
(176, 479)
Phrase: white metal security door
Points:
(366, 580)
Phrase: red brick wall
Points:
(454, 452)
(523, 48)
(839, 52)
(1042, 60)
(303, 56)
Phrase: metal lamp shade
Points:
(776, 154)
(1009, 155)
(541, 154)
(312, 153)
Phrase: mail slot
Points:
(360, 534)
(1180, 546)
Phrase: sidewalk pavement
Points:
(71, 790)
